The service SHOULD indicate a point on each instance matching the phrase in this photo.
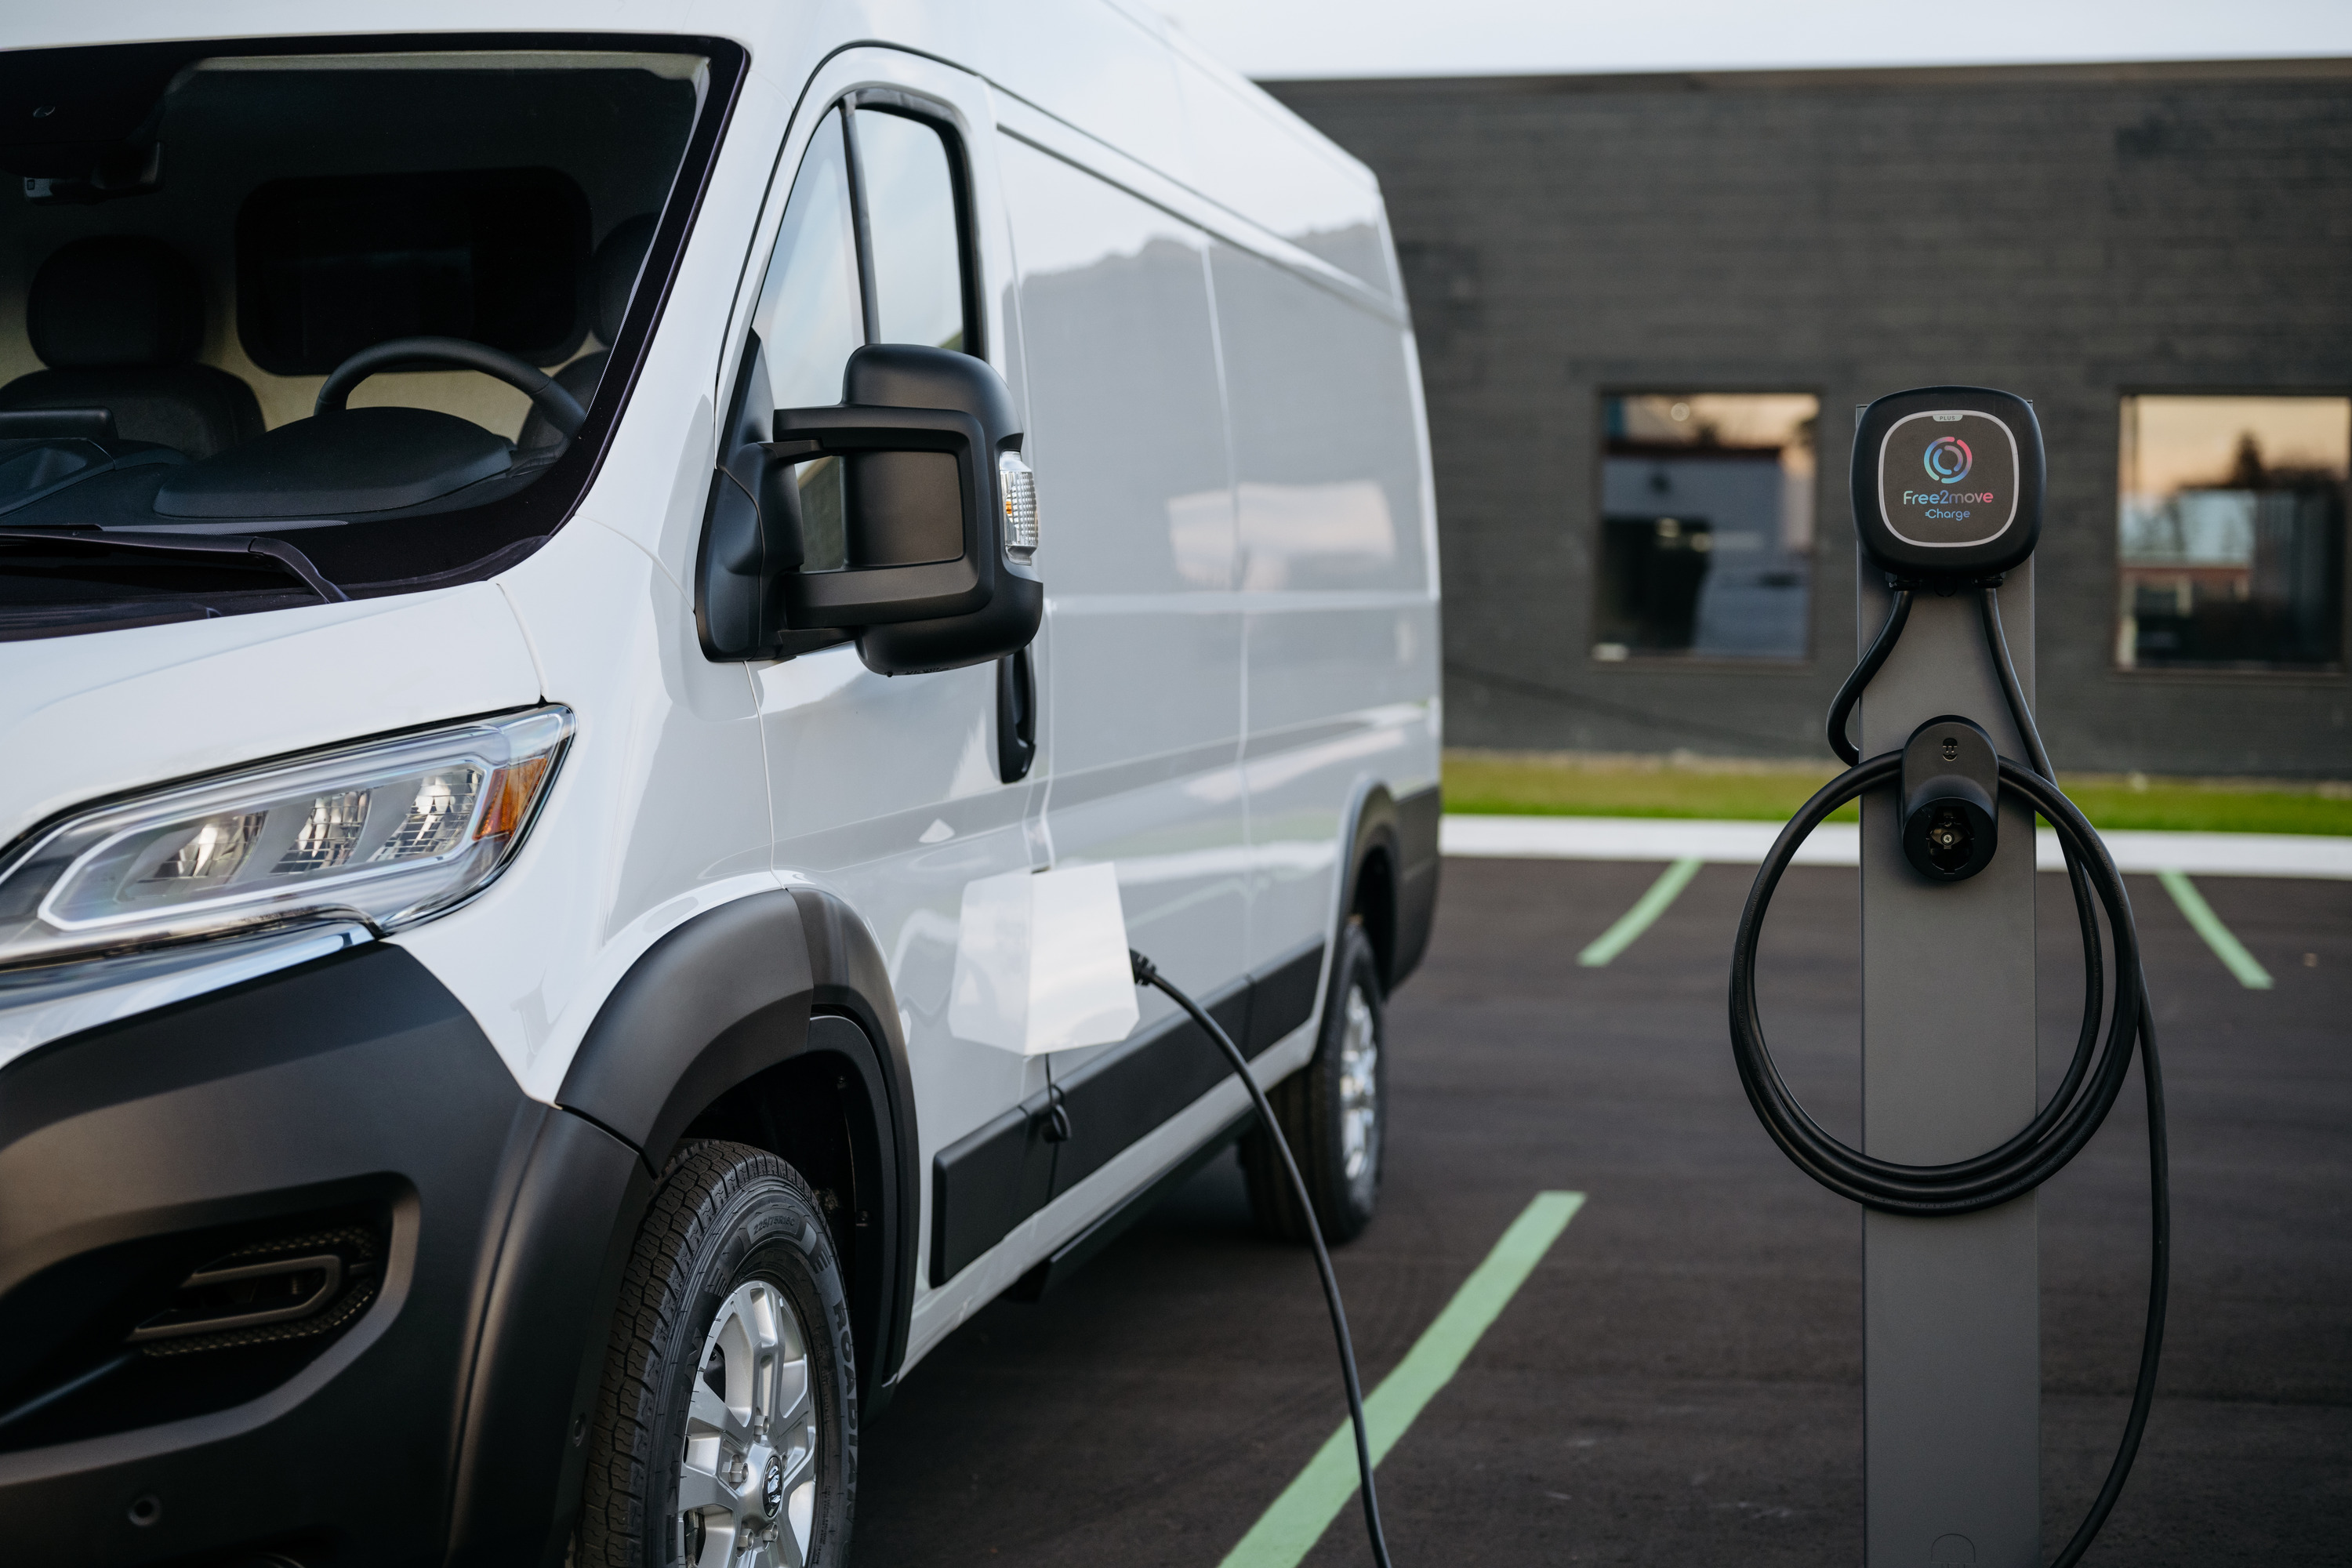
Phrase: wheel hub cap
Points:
(1359, 1105)
(747, 1480)
(771, 1488)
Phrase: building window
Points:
(2229, 533)
(1707, 526)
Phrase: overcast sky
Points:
(1270, 39)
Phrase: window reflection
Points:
(1127, 427)
(2229, 533)
(911, 210)
(1328, 497)
(1707, 525)
(811, 318)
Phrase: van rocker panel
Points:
(994, 1177)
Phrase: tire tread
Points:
(1305, 1106)
(697, 1189)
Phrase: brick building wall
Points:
(2072, 234)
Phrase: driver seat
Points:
(618, 261)
(118, 319)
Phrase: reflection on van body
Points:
(646, 558)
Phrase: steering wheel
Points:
(556, 405)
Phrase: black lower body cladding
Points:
(352, 1097)
(992, 1179)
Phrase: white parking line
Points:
(1840, 844)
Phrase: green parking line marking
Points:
(1637, 919)
(2226, 947)
(1289, 1529)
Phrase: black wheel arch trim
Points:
(1374, 832)
(725, 995)
(539, 1357)
(1418, 818)
(1404, 830)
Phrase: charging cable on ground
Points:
(1146, 975)
(2094, 1077)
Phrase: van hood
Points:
(82, 718)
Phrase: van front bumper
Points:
(350, 1097)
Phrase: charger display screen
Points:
(1947, 477)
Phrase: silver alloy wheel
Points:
(1359, 1089)
(747, 1483)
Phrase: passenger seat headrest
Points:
(617, 262)
(113, 301)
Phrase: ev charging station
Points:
(1951, 1307)
(1947, 485)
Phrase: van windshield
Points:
(374, 306)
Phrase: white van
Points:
(544, 577)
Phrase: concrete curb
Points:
(1839, 844)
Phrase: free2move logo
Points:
(1948, 460)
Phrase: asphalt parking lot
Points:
(1679, 1379)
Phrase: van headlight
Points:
(389, 833)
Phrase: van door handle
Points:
(1016, 716)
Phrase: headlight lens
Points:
(389, 833)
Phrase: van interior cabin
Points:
(364, 305)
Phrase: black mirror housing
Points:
(751, 535)
(929, 582)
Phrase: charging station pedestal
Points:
(1951, 1307)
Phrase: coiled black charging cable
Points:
(1145, 974)
(2094, 1077)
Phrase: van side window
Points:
(906, 244)
(811, 319)
(910, 206)
(809, 316)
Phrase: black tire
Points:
(1314, 1105)
(731, 1227)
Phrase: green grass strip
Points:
(1539, 783)
(1289, 1529)
(1637, 919)
(2226, 947)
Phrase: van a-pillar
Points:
(1952, 1308)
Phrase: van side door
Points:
(897, 792)
(1118, 352)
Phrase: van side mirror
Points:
(932, 488)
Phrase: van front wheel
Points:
(1333, 1111)
(726, 1430)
